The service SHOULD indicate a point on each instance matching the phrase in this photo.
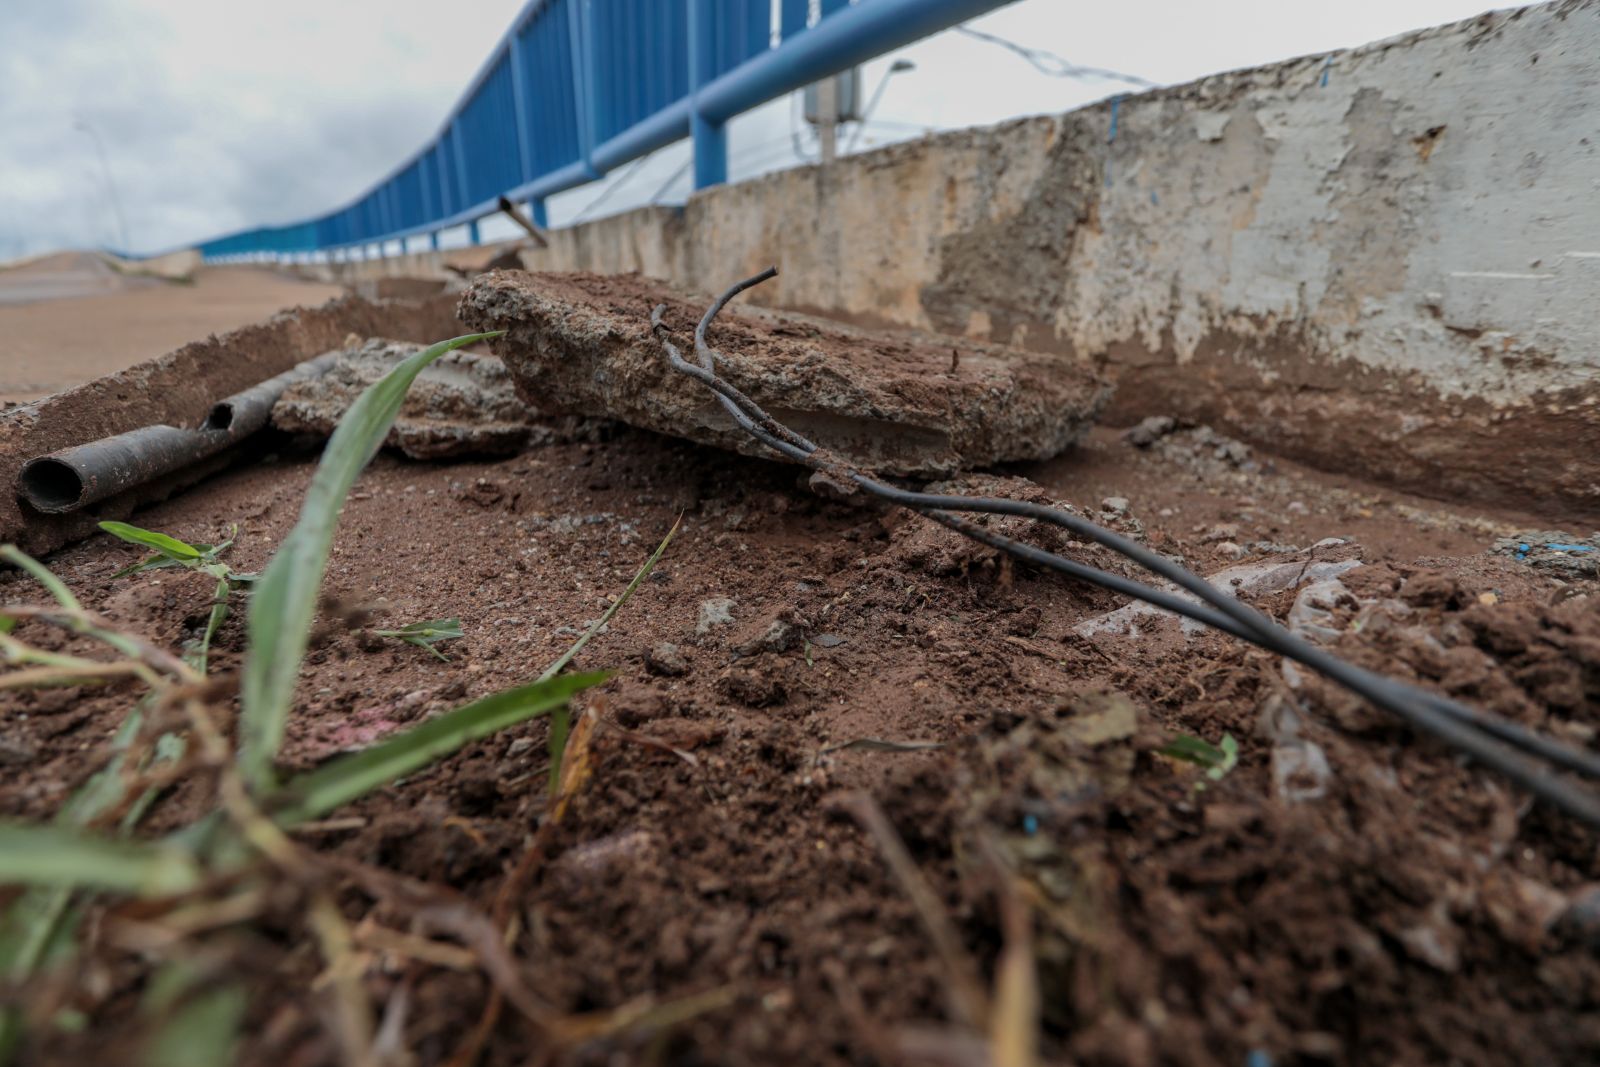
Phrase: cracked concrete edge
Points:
(897, 401)
(178, 389)
(464, 404)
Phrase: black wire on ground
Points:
(1478, 733)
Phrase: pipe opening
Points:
(221, 416)
(51, 485)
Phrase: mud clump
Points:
(461, 405)
(896, 401)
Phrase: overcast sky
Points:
(216, 116)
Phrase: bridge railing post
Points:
(709, 139)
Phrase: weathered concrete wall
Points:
(1383, 261)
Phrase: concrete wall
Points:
(1385, 261)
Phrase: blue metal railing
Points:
(578, 87)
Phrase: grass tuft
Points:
(68, 867)
(286, 596)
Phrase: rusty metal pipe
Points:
(84, 474)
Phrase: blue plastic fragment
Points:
(1030, 824)
(1557, 546)
(1258, 1058)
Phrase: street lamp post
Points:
(111, 185)
(899, 66)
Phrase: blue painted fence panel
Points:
(577, 87)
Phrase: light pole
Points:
(897, 67)
(111, 185)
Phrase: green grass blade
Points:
(644, 572)
(1218, 760)
(171, 547)
(56, 856)
(427, 634)
(149, 563)
(202, 1032)
(31, 920)
(219, 615)
(319, 792)
(57, 588)
(285, 602)
(560, 727)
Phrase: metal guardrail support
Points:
(710, 139)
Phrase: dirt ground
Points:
(70, 318)
(1397, 907)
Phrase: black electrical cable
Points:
(1469, 729)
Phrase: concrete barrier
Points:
(1384, 260)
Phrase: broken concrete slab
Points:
(462, 404)
(899, 401)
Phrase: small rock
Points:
(582, 869)
(1116, 505)
(754, 687)
(518, 746)
(667, 659)
(717, 611)
(1150, 430)
(827, 640)
(780, 635)
(1300, 771)
(1101, 718)
(15, 750)
(1234, 452)
(1230, 550)
(1226, 531)
(1430, 589)
(1436, 941)
(1297, 507)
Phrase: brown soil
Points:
(1420, 912)
(51, 344)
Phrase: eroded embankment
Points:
(1378, 901)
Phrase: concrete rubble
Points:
(1251, 580)
(463, 404)
(899, 402)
